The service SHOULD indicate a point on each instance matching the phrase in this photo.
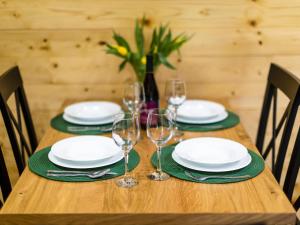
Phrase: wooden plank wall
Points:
(57, 45)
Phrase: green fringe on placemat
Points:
(230, 121)
(39, 164)
(169, 166)
(60, 124)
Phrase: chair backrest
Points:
(280, 79)
(11, 83)
(4, 178)
(292, 172)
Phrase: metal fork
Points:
(86, 128)
(203, 178)
(73, 173)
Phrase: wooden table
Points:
(35, 200)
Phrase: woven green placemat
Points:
(230, 121)
(169, 166)
(60, 124)
(39, 164)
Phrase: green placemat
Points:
(60, 124)
(39, 164)
(230, 121)
(169, 166)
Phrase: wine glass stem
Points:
(159, 170)
(126, 156)
(175, 117)
(137, 116)
(135, 112)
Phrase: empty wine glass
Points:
(175, 94)
(159, 130)
(134, 96)
(125, 132)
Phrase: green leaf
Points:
(168, 37)
(165, 62)
(153, 41)
(112, 51)
(121, 41)
(162, 30)
(122, 65)
(178, 36)
(166, 43)
(139, 37)
(109, 46)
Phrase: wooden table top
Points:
(36, 200)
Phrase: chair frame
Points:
(4, 178)
(289, 84)
(292, 172)
(11, 83)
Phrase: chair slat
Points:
(4, 178)
(282, 80)
(11, 84)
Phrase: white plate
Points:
(107, 162)
(200, 109)
(85, 149)
(234, 166)
(210, 151)
(218, 118)
(81, 122)
(91, 111)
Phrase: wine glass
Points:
(159, 130)
(125, 132)
(175, 94)
(134, 96)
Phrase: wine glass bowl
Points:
(160, 131)
(125, 133)
(175, 93)
(176, 100)
(134, 96)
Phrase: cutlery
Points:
(203, 126)
(93, 174)
(75, 171)
(80, 129)
(203, 178)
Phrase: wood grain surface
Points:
(36, 200)
(57, 45)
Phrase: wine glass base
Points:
(158, 176)
(127, 182)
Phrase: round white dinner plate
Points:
(71, 165)
(218, 118)
(85, 149)
(211, 151)
(82, 122)
(231, 167)
(200, 109)
(91, 111)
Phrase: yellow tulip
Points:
(144, 60)
(122, 50)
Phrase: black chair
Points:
(292, 172)
(280, 79)
(11, 84)
(4, 179)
